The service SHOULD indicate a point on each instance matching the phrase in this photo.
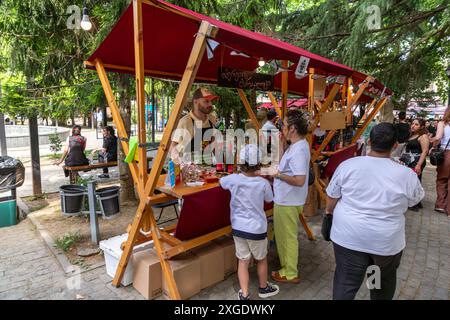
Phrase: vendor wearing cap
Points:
(192, 127)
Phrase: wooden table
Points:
(181, 189)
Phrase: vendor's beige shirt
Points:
(185, 130)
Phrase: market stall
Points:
(181, 38)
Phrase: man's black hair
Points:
(383, 137)
(271, 114)
(402, 115)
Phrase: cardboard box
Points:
(229, 254)
(187, 273)
(147, 277)
(212, 264)
(332, 120)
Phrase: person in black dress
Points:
(416, 150)
(108, 152)
(73, 153)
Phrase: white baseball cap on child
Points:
(250, 154)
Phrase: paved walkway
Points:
(28, 270)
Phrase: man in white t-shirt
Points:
(290, 189)
(270, 131)
(367, 198)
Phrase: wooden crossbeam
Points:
(325, 142)
(284, 88)
(274, 103)
(249, 109)
(198, 49)
(370, 117)
(358, 94)
(324, 107)
(366, 112)
(311, 90)
(147, 71)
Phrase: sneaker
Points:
(269, 291)
(103, 176)
(439, 210)
(241, 296)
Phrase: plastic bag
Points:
(12, 173)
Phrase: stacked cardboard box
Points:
(186, 269)
(212, 264)
(229, 254)
(147, 278)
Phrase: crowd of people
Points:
(367, 196)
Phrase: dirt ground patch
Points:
(62, 227)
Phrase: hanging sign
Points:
(320, 85)
(233, 78)
(302, 67)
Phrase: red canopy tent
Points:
(168, 32)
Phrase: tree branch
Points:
(419, 17)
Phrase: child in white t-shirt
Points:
(249, 222)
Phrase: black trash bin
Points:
(72, 199)
(109, 201)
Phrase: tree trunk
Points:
(35, 159)
(105, 115)
(89, 120)
(72, 118)
(126, 179)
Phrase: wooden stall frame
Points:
(144, 226)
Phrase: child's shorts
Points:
(246, 248)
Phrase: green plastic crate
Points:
(8, 215)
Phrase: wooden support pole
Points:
(198, 49)
(366, 112)
(140, 88)
(311, 90)
(369, 119)
(117, 118)
(324, 107)
(249, 109)
(358, 94)
(308, 230)
(325, 142)
(349, 91)
(274, 103)
(284, 88)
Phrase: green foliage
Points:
(67, 241)
(55, 142)
(408, 53)
(84, 182)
